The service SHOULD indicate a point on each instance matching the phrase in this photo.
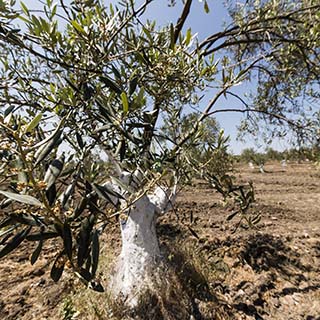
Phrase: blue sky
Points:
(203, 24)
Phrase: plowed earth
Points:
(269, 272)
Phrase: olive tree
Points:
(88, 78)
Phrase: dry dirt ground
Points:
(269, 272)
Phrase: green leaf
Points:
(116, 72)
(105, 193)
(57, 133)
(8, 110)
(85, 274)
(67, 240)
(53, 142)
(8, 118)
(140, 97)
(34, 122)
(79, 140)
(37, 24)
(36, 253)
(42, 236)
(54, 10)
(24, 8)
(141, 58)
(78, 27)
(54, 171)
(6, 233)
(25, 19)
(22, 198)
(58, 267)
(110, 84)
(125, 103)
(14, 242)
(133, 85)
(80, 208)
(28, 219)
(206, 7)
(122, 149)
(148, 34)
(188, 37)
(95, 248)
(64, 197)
(51, 194)
(84, 240)
(96, 285)
(6, 222)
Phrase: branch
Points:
(182, 19)
(149, 130)
(271, 114)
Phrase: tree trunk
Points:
(140, 253)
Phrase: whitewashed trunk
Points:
(140, 253)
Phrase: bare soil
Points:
(271, 271)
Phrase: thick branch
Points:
(182, 19)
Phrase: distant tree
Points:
(207, 150)
(249, 155)
(88, 76)
(272, 154)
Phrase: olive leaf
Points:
(36, 253)
(84, 239)
(34, 122)
(54, 171)
(22, 198)
(95, 248)
(58, 267)
(53, 141)
(14, 242)
(67, 240)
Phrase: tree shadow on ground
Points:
(168, 231)
(266, 252)
(249, 310)
(292, 290)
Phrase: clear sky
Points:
(203, 24)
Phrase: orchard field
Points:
(270, 271)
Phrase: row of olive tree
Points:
(87, 76)
(292, 154)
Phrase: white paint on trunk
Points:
(140, 253)
(261, 168)
(140, 250)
